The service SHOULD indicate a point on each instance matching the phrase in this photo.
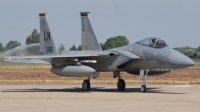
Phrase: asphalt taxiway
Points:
(101, 97)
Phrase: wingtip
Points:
(41, 14)
(5, 57)
(83, 14)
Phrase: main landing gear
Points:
(86, 85)
(143, 78)
(121, 85)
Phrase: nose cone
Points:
(178, 60)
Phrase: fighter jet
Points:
(150, 56)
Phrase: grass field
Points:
(37, 73)
(197, 62)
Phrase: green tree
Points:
(190, 53)
(12, 44)
(102, 46)
(33, 49)
(73, 47)
(198, 56)
(33, 38)
(114, 42)
(1, 47)
(79, 47)
(195, 55)
(198, 49)
(61, 48)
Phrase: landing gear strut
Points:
(121, 85)
(143, 78)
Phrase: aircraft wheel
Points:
(121, 85)
(143, 88)
(86, 85)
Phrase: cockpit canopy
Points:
(152, 42)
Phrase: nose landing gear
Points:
(143, 88)
(121, 85)
(143, 78)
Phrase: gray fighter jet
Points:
(150, 56)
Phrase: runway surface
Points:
(102, 97)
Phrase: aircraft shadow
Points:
(97, 89)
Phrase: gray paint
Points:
(150, 53)
(89, 40)
(49, 43)
(72, 71)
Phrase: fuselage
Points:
(155, 54)
(152, 57)
(159, 58)
(166, 57)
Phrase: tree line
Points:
(189, 51)
(31, 39)
(110, 43)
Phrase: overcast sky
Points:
(175, 21)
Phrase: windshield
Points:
(152, 42)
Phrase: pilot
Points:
(155, 42)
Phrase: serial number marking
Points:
(49, 49)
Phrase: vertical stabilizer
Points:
(89, 40)
(47, 45)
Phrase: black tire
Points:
(143, 88)
(121, 85)
(86, 85)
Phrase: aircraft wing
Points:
(69, 54)
(27, 61)
(128, 54)
(50, 56)
(59, 58)
(119, 61)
